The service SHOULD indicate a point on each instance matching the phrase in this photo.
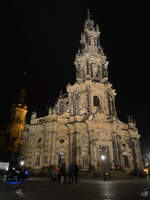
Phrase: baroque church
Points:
(83, 126)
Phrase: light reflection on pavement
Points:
(20, 193)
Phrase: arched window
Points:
(126, 161)
(61, 140)
(91, 40)
(37, 157)
(96, 101)
(39, 140)
(124, 145)
(95, 41)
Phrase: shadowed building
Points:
(83, 126)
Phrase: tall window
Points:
(91, 40)
(96, 101)
(95, 41)
(37, 158)
(126, 161)
(87, 67)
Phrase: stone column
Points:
(71, 103)
(69, 144)
(87, 67)
(88, 99)
(53, 152)
(93, 154)
(115, 153)
(68, 150)
(140, 155)
(74, 147)
(114, 107)
(100, 75)
(74, 103)
(71, 147)
(78, 149)
(54, 157)
(109, 104)
(134, 154)
(77, 103)
(51, 147)
(119, 152)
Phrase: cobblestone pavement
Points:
(44, 189)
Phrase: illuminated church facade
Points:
(83, 126)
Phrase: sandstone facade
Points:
(83, 126)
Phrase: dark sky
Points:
(42, 38)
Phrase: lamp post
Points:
(103, 158)
(22, 163)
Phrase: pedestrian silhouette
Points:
(71, 172)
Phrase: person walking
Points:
(58, 174)
(76, 172)
(71, 171)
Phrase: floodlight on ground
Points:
(103, 157)
(22, 162)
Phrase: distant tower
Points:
(18, 116)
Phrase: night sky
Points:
(42, 38)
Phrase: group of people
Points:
(15, 174)
(63, 175)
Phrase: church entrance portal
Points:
(60, 158)
(104, 158)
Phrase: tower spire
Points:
(90, 45)
(88, 13)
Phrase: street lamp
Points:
(103, 157)
(22, 162)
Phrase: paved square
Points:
(44, 189)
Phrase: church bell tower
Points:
(92, 93)
(18, 116)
